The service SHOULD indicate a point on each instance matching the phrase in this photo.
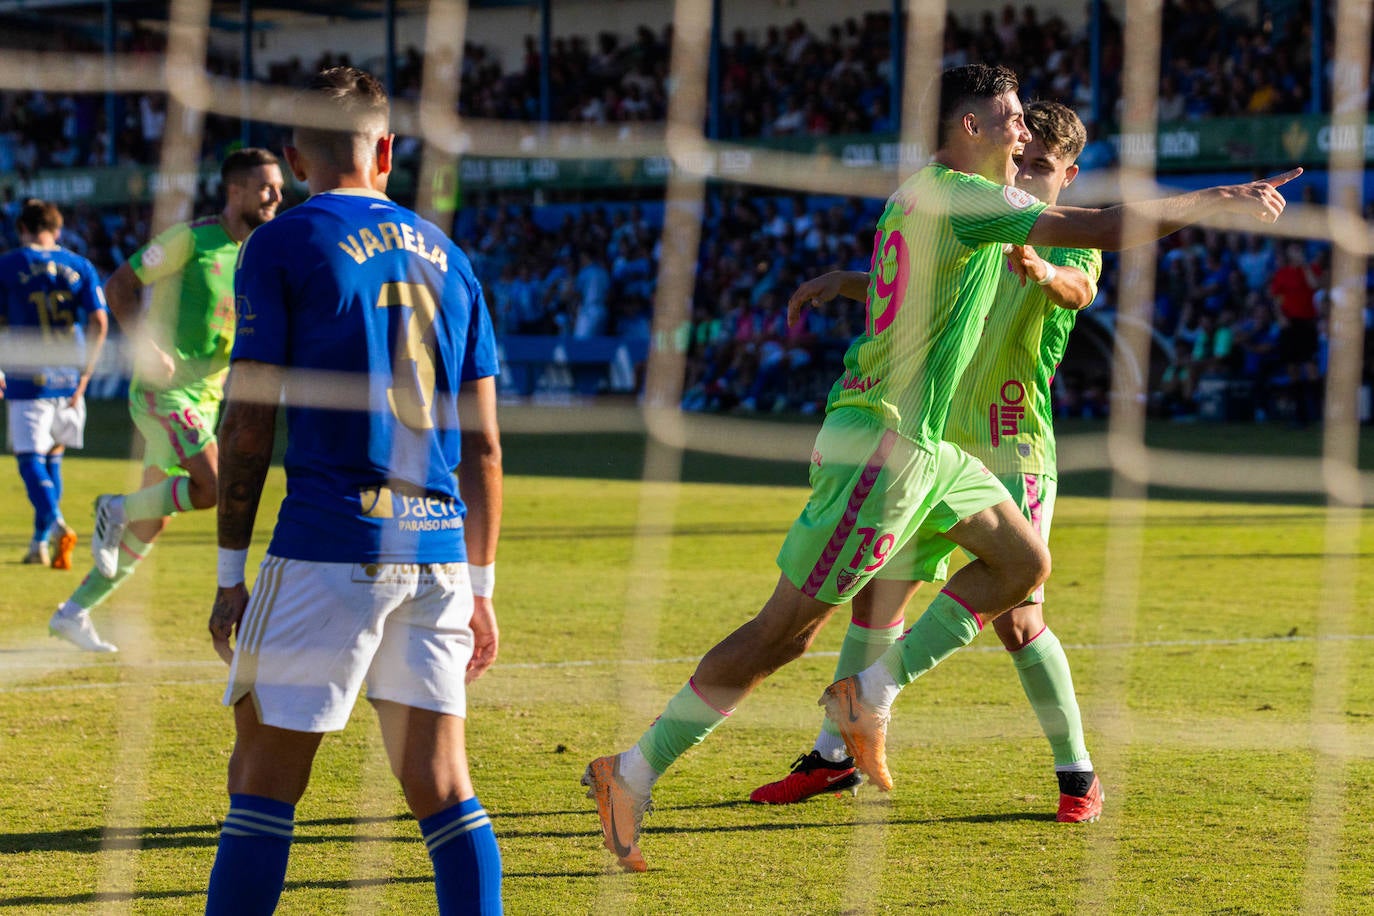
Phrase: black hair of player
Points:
(960, 86)
(37, 216)
(240, 162)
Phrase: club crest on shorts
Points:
(845, 580)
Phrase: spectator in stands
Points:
(593, 284)
(1294, 289)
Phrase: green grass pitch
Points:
(1222, 652)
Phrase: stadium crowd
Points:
(590, 269)
(788, 81)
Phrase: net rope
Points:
(192, 93)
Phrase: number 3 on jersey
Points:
(411, 394)
(890, 270)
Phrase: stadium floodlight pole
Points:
(111, 105)
(389, 14)
(897, 51)
(246, 73)
(713, 76)
(1095, 61)
(545, 49)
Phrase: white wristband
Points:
(1049, 276)
(483, 579)
(232, 564)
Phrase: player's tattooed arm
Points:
(246, 435)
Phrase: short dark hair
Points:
(242, 161)
(958, 86)
(1058, 127)
(37, 216)
(363, 110)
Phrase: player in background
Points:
(885, 488)
(1002, 415)
(181, 356)
(381, 567)
(52, 327)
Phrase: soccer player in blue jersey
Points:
(381, 567)
(54, 320)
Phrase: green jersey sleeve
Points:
(982, 212)
(165, 255)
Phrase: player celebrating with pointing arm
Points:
(181, 344)
(1003, 416)
(45, 293)
(883, 482)
(381, 567)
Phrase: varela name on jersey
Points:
(389, 237)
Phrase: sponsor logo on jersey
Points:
(1018, 198)
(153, 255)
(411, 513)
(844, 581)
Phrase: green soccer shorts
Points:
(175, 426)
(879, 507)
(1034, 495)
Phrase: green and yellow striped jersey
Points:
(191, 270)
(937, 259)
(1002, 412)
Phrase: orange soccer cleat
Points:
(66, 543)
(620, 811)
(863, 728)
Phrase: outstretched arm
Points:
(1131, 224)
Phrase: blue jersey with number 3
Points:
(46, 294)
(378, 319)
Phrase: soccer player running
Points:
(53, 323)
(886, 489)
(381, 567)
(1002, 415)
(181, 357)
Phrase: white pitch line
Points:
(551, 666)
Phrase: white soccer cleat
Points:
(37, 555)
(78, 630)
(110, 523)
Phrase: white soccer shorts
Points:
(39, 424)
(315, 633)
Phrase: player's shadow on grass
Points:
(866, 816)
(125, 896)
(95, 839)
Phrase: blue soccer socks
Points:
(250, 866)
(33, 470)
(467, 862)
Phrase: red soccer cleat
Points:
(811, 775)
(1081, 810)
